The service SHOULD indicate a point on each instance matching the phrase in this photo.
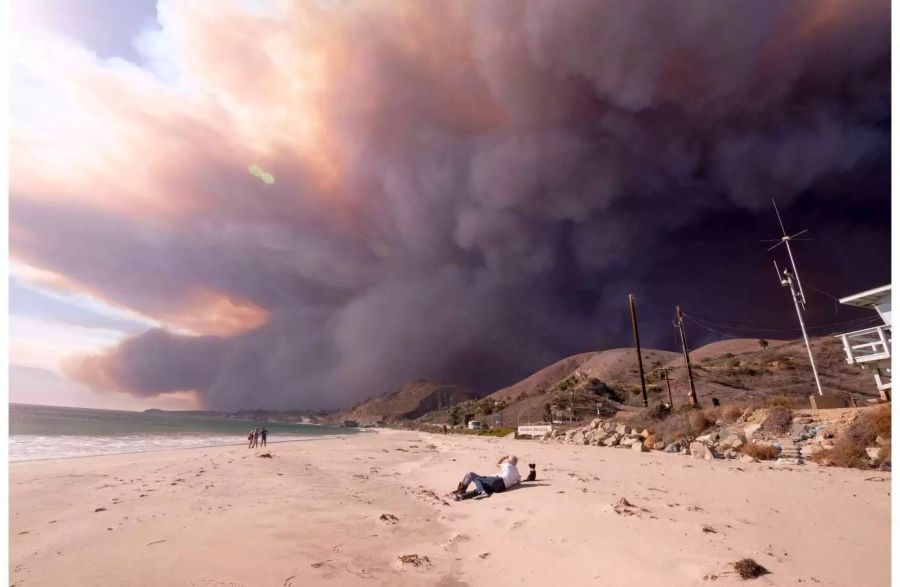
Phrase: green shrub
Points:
(603, 389)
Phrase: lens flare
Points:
(265, 176)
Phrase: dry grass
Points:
(844, 454)
(732, 413)
(643, 419)
(869, 426)
(684, 424)
(850, 449)
(748, 568)
(763, 452)
(699, 421)
(782, 400)
(779, 420)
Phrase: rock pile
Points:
(807, 436)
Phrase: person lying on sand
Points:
(508, 476)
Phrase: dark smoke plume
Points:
(472, 189)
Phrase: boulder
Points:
(674, 447)
(873, 452)
(750, 430)
(730, 440)
(644, 433)
(708, 438)
(611, 440)
(801, 432)
(659, 445)
(883, 440)
(628, 441)
(701, 452)
(639, 447)
(623, 429)
(649, 441)
(595, 423)
(748, 459)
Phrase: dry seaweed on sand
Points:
(748, 568)
(415, 560)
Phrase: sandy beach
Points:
(312, 515)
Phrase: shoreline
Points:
(312, 514)
(173, 449)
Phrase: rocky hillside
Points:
(407, 403)
(731, 371)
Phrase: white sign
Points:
(535, 429)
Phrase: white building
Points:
(870, 348)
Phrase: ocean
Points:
(49, 432)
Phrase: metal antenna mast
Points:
(786, 241)
(792, 280)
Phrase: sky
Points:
(269, 204)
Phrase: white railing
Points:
(870, 344)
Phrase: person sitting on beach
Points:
(264, 434)
(486, 485)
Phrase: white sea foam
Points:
(35, 447)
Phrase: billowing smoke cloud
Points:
(457, 190)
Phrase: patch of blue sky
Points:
(35, 301)
(105, 27)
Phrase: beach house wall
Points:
(870, 348)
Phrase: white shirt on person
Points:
(510, 474)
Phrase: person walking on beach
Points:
(251, 438)
(486, 485)
(264, 434)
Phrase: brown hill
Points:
(409, 402)
(739, 369)
(730, 370)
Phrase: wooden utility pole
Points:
(637, 348)
(668, 388)
(679, 323)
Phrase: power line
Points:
(819, 327)
(823, 292)
(718, 325)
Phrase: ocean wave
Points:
(38, 447)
